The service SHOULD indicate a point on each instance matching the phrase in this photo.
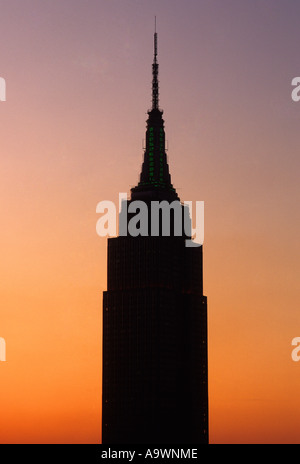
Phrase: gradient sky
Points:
(78, 75)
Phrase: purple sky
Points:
(78, 75)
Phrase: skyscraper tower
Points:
(154, 317)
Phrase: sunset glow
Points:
(78, 86)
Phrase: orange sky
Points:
(78, 80)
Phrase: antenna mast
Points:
(155, 74)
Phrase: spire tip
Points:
(155, 74)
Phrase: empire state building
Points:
(155, 387)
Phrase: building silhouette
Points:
(154, 317)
